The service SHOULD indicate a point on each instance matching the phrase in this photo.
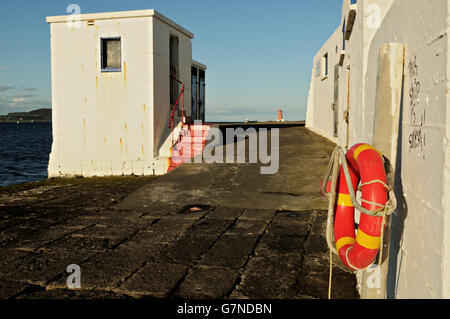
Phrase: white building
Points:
(115, 80)
(341, 107)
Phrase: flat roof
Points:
(199, 65)
(122, 15)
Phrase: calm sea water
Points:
(24, 152)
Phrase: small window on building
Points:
(201, 94)
(194, 84)
(353, 1)
(325, 66)
(174, 69)
(343, 36)
(111, 52)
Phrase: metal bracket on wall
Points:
(346, 116)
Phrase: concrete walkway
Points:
(201, 231)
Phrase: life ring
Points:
(365, 163)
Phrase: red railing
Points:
(175, 107)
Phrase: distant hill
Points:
(40, 115)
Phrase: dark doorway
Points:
(198, 93)
(194, 83)
(174, 71)
(201, 95)
(336, 101)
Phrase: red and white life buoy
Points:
(365, 163)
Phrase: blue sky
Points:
(259, 53)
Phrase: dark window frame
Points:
(102, 62)
(194, 92)
(343, 35)
(174, 68)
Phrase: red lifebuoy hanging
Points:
(365, 163)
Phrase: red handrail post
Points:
(172, 114)
(182, 104)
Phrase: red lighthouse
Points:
(280, 116)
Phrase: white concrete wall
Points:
(320, 117)
(446, 179)
(370, 15)
(350, 95)
(422, 27)
(100, 123)
(321, 120)
(114, 123)
(420, 252)
(310, 110)
(161, 66)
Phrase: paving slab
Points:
(230, 251)
(106, 270)
(274, 277)
(12, 289)
(39, 238)
(244, 227)
(42, 268)
(207, 283)
(154, 280)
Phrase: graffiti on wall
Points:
(417, 112)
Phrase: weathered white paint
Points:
(420, 246)
(114, 123)
(385, 139)
(322, 123)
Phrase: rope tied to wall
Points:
(337, 159)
